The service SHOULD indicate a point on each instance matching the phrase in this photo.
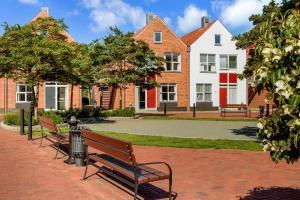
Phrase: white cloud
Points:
(168, 21)
(150, 1)
(191, 18)
(73, 13)
(106, 13)
(236, 13)
(218, 5)
(29, 1)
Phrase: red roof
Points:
(191, 37)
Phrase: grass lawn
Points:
(199, 119)
(195, 143)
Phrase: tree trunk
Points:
(121, 98)
(35, 100)
(71, 100)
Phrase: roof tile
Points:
(191, 37)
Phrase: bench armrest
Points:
(155, 163)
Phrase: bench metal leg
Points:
(57, 148)
(42, 137)
(136, 188)
(170, 188)
(86, 168)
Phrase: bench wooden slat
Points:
(110, 141)
(48, 123)
(125, 157)
(118, 156)
(145, 174)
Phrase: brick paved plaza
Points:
(30, 172)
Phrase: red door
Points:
(151, 94)
(151, 98)
(223, 96)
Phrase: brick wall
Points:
(170, 43)
(259, 99)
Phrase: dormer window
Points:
(218, 40)
(157, 37)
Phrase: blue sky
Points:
(90, 19)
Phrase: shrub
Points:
(13, 119)
(55, 116)
(126, 112)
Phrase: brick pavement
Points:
(29, 172)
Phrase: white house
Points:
(215, 64)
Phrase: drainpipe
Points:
(5, 95)
(188, 78)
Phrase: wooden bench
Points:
(235, 108)
(54, 134)
(118, 161)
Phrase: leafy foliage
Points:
(14, 119)
(121, 60)
(39, 51)
(126, 112)
(275, 66)
(54, 116)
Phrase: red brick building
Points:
(173, 90)
(52, 95)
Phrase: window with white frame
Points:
(168, 92)
(207, 62)
(228, 61)
(55, 96)
(157, 37)
(204, 92)
(173, 61)
(23, 93)
(217, 39)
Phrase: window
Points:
(157, 37)
(204, 92)
(55, 96)
(173, 61)
(232, 62)
(217, 40)
(208, 62)
(232, 94)
(23, 94)
(168, 92)
(228, 62)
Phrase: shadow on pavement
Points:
(146, 191)
(273, 193)
(247, 131)
(96, 121)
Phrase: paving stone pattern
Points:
(30, 172)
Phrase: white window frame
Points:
(227, 64)
(175, 92)
(56, 85)
(26, 92)
(202, 68)
(154, 38)
(172, 62)
(203, 92)
(218, 44)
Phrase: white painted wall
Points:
(206, 44)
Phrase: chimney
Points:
(149, 18)
(204, 21)
(45, 9)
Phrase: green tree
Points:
(36, 52)
(83, 73)
(121, 60)
(275, 66)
